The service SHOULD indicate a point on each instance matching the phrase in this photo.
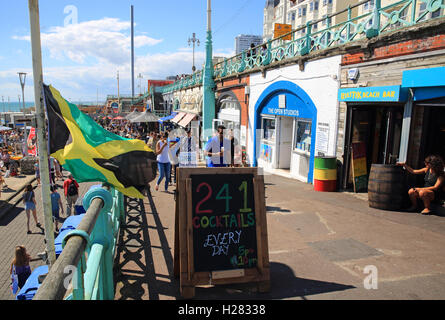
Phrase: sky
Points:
(86, 42)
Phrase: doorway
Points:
(433, 140)
(286, 125)
(379, 128)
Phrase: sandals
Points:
(38, 225)
(29, 232)
(426, 211)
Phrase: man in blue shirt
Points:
(218, 150)
(56, 204)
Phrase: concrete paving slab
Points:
(344, 249)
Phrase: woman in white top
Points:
(163, 161)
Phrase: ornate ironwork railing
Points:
(366, 19)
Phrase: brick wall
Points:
(398, 49)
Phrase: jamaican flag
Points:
(92, 153)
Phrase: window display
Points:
(269, 129)
(303, 135)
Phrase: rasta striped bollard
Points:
(325, 174)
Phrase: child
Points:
(30, 206)
(56, 204)
(20, 265)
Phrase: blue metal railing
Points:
(91, 249)
(369, 21)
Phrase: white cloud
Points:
(105, 40)
(99, 48)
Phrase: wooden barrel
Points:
(386, 187)
(325, 174)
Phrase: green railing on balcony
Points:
(84, 269)
(370, 20)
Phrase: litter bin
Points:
(32, 284)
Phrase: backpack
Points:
(72, 189)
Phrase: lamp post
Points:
(194, 41)
(208, 103)
(140, 77)
(118, 96)
(22, 77)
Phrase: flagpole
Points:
(41, 125)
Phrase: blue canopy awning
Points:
(168, 118)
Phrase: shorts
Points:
(30, 206)
(56, 214)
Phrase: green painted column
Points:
(208, 84)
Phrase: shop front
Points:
(285, 135)
(228, 114)
(374, 121)
(426, 118)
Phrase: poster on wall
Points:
(266, 153)
(322, 138)
(359, 169)
(32, 149)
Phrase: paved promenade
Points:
(13, 233)
(320, 244)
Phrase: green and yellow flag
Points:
(92, 153)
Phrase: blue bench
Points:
(32, 284)
(69, 225)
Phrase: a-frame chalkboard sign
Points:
(220, 228)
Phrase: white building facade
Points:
(293, 117)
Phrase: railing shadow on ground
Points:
(13, 212)
(135, 248)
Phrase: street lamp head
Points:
(22, 77)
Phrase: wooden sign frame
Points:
(183, 248)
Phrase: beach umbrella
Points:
(145, 117)
(3, 128)
(179, 132)
(133, 114)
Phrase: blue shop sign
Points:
(373, 94)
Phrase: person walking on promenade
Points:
(173, 152)
(188, 147)
(71, 188)
(20, 265)
(432, 190)
(56, 205)
(59, 169)
(29, 199)
(163, 161)
(6, 158)
(153, 141)
(37, 170)
(52, 171)
(217, 150)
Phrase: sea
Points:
(17, 107)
